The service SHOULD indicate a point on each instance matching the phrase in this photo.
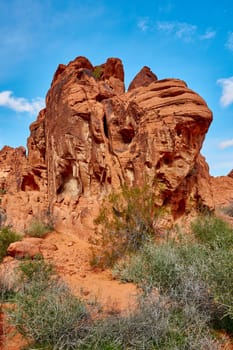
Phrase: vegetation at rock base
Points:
(45, 310)
(127, 220)
(7, 236)
(39, 228)
(195, 273)
(185, 283)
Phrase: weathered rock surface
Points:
(230, 174)
(222, 190)
(93, 136)
(29, 247)
(144, 78)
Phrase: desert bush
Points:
(7, 236)
(45, 311)
(35, 271)
(97, 72)
(156, 324)
(197, 275)
(125, 223)
(39, 228)
(217, 235)
(165, 266)
(7, 284)
(213, 231)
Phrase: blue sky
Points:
(190, 40)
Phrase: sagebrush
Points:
(45, 310)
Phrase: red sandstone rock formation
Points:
(144, 78)
(92, 137)
(230, 174)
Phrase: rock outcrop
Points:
(93, 136)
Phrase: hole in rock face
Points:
(69, 184)
(127, 134)
(29, 184)
(70, 187)
(167, 159)
(105, 126)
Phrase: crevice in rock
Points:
(105, 126)
(181, 208)
(170, 93)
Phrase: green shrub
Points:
(7, 236)
(45, 310)
(97, 72)
(217, 235)
(196, 275)
(125, 223)
(39, 228)
(37, 270)
(213, 231)
(167, 266)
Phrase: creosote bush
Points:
(126, 222)
(213, 231)
(156, 324)
(45, 311)
(39, 228)
(7, 236)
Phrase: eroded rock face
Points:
(92, 137)
(144, 78)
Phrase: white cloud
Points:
(181, 30)
(227, 91)
(229, 43)
(143, 24)
(209, 34)
(184, 31)
(226, 144)
(20, 104)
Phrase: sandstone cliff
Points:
(93, 136)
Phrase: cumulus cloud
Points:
(209, 34)
(226, 144)
(20, 104)
(229, 43)
(227, 91)
(181, 30)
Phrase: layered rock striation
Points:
(92, 137)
